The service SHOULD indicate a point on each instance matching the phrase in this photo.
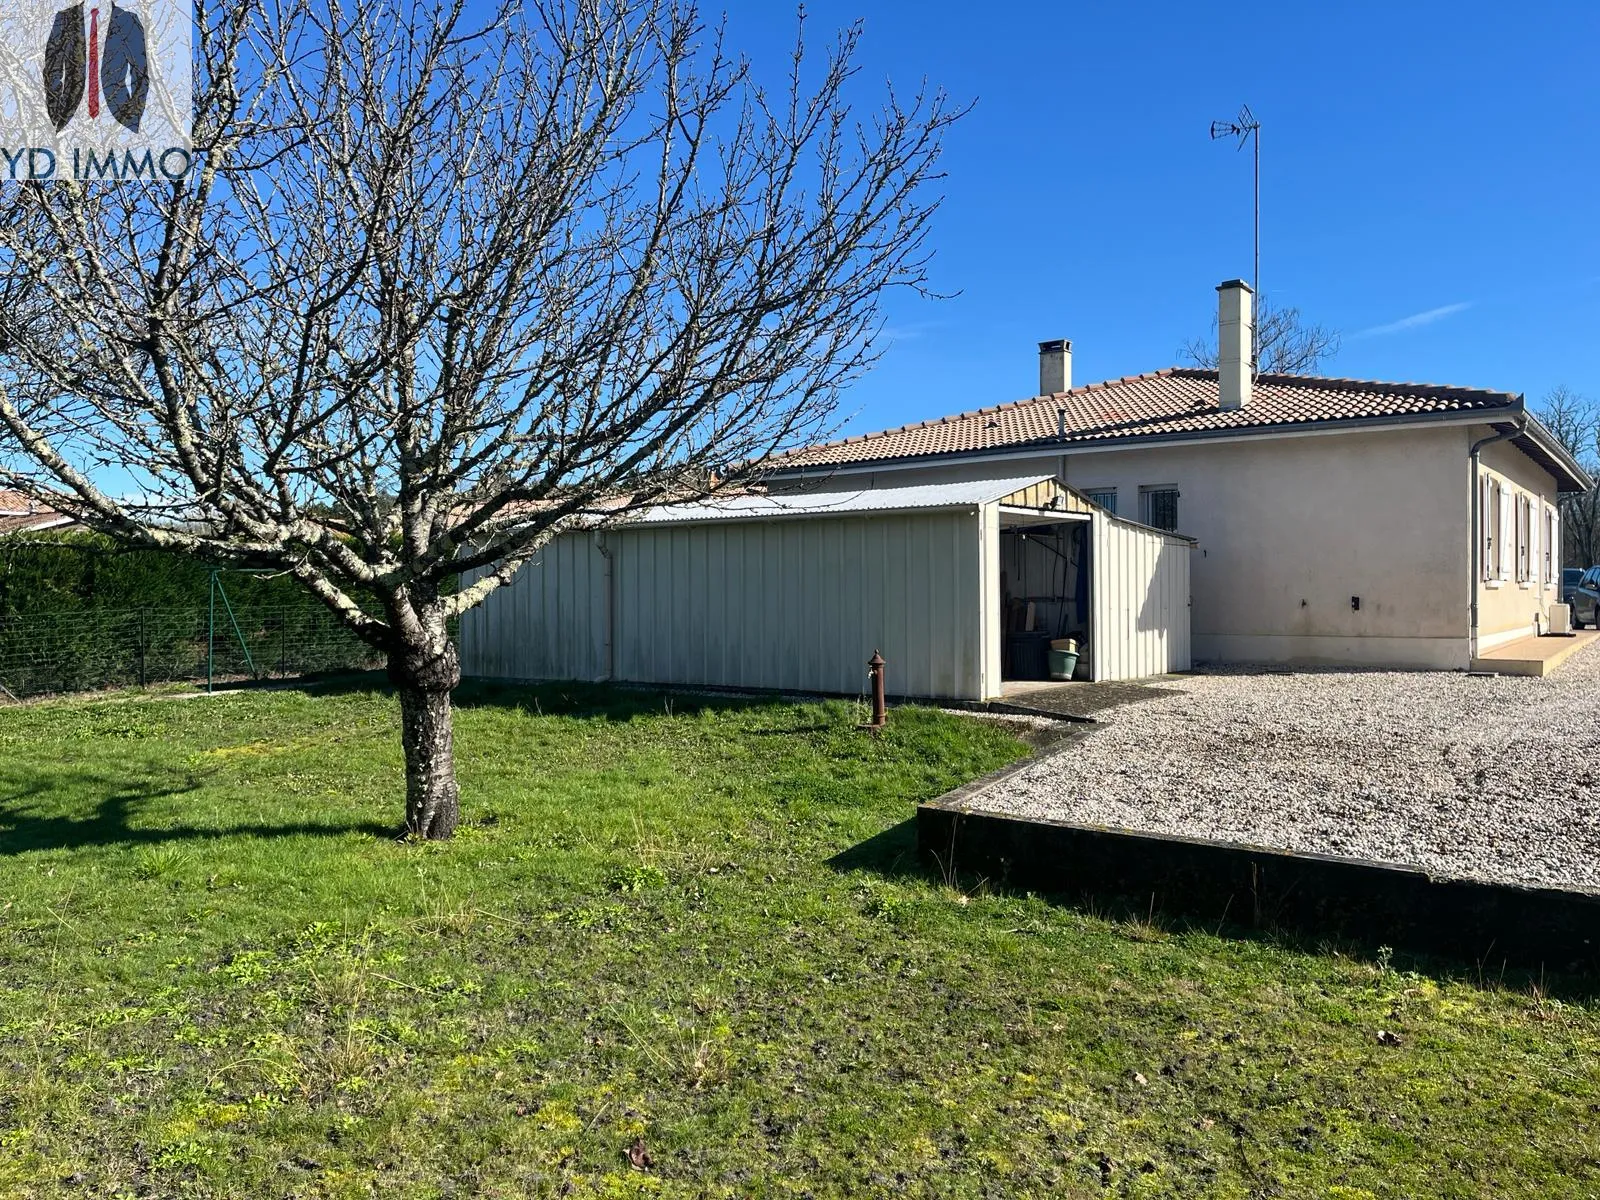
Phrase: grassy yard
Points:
(678, 950)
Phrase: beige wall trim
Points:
(1432, 654)
(1492, 640)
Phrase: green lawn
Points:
(690, 930)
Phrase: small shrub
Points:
(883, 904)
(635, 877)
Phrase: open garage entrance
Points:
(1044, 597)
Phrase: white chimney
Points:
(1055, 367)
(1235, 335)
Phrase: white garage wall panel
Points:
(1139, 600)
(789, 604)
(549, 623)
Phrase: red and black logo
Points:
(117, 78)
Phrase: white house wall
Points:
(1139, 601)
(1292, 530)
(798, 605)
(1289, 529)
(1511, 608)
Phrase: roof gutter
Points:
(1475, 525)
(1537, 432)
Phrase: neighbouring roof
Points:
(774, 506)
(1172, 404)
(19, 514)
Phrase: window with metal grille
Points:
(1158, 506)
(1106, 498)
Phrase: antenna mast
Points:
(1245, 127)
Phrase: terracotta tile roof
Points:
(1172, 402)
(18, 513)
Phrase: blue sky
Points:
(1430, 186)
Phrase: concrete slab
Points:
(1534, 656)
(1081, 699)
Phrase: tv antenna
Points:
(1246, 128)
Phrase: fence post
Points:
(283, 643)
(142, 646)
(211, 631)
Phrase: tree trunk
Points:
(424, 675)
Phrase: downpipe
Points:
(1475, 529)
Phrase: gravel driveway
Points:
(1482, 778)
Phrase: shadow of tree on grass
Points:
(31, 820)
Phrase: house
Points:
(1336, 521)
(21, 514)
(1155, 519)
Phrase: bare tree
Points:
(1286, 344)
(1574, 419)
(436, 293)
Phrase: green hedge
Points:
(79, 612)
(44, 573)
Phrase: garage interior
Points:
(1044, 597)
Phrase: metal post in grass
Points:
(142, 643)
(880, 712)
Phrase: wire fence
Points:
(89, 649)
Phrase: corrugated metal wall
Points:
(548, 624)
(1139, 601)
(798, 605)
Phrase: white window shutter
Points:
(1503, 535)
(1535, 565)
(1552, 523)
(1524, 542)
(1516, 536)
(1485, 528)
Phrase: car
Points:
(1569, 582)
(1586, 599)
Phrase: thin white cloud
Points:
(1415, 320)
(910, 331)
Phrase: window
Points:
(1158, 506)
(1522, 513)
(1106, 498)
(1552, 539)
(1502, 529)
